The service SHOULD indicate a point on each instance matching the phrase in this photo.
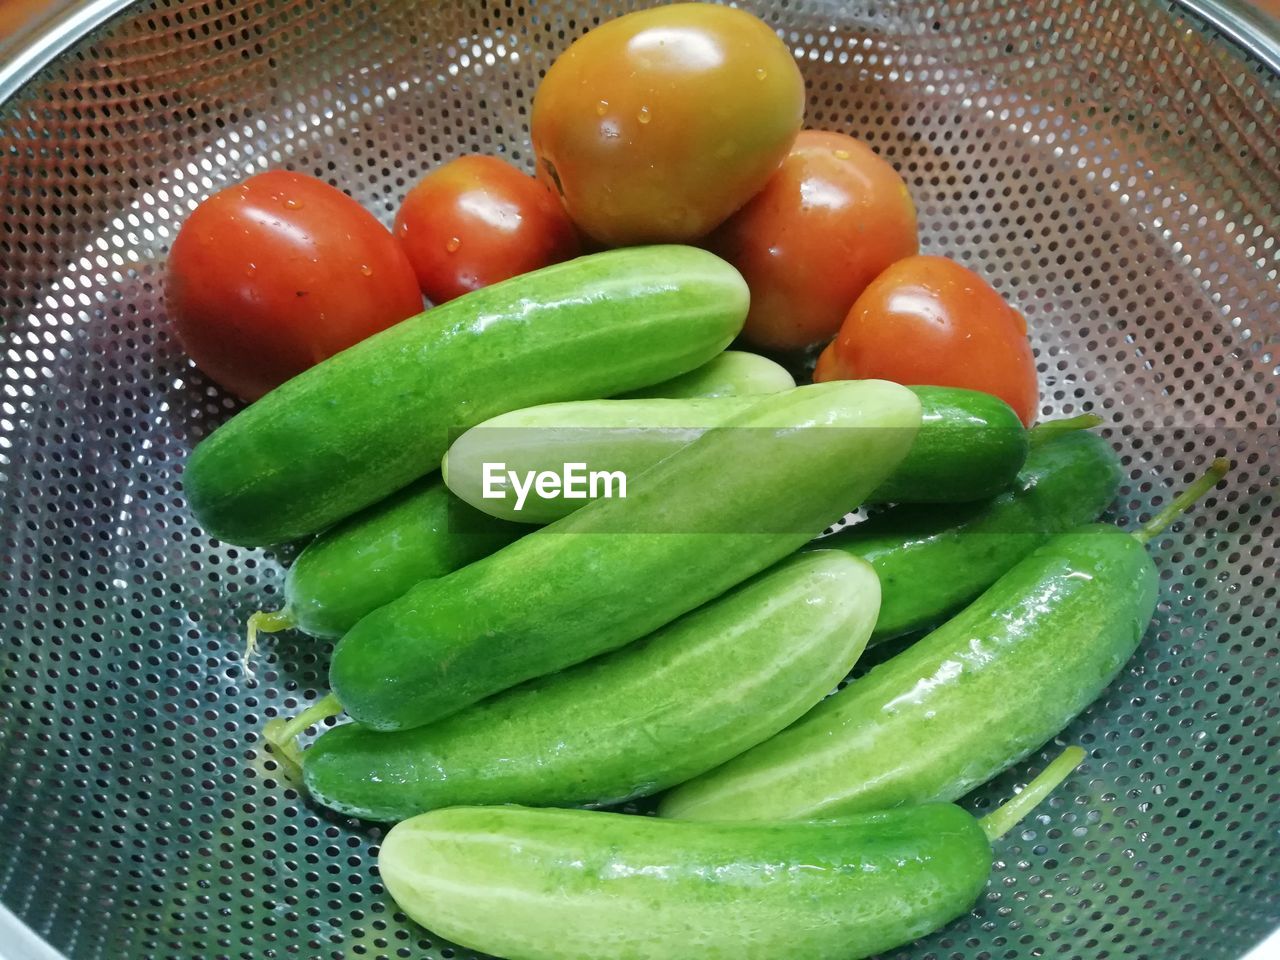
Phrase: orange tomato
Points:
(825, 225)
(478, 220)
(930, 321)
(657, 125)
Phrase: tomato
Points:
(831, 219)
(657, 125)
(273, 275)
(478, 220)
(930, 321)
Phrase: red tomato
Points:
(930, 321)
(824, 226)
(656, 126)
(478, 220)
(273, 275)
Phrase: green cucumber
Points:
(981, 692)
(373, 557)
(364, 423)
(932, 560)
(733, 373)
(687, 698)
(538, 884)
(603, 435)
(728, 505)
(970, 445)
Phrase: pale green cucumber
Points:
(539, 884)
(733, 373)
(728, 505)
(614, 437)
(976, 695)
(685, 699)
(970, 446)
(377, 416)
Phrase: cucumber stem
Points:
(1004, 818)
(264, 621)
(1183, 501)
(1051, 428)
(282, 732)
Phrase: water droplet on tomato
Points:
(453, 244)
(842, 154)
(601, 107)
(644, 116)
(292, 204)
(253, 268)
(366, 270)
(762, 73)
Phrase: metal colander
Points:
(1110, 164)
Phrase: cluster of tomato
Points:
(677, 124)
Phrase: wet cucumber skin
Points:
(733, 373)
(375, 417)
(718, 511)
(539, 884)
(970, 446)
(373, 557)
(655, 713)
(934, 559)
(976, 695)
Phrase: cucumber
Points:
(370, 559)
(733, 373)
(970, 445)
(967, 701)
(368, 421)
(603, 435)
(721, 509)
(530, 884)
(655, 713)
(932, 560)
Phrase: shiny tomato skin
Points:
(478, 220)
(270, 276)
(930, 321)
(656, 126)
(825, 225)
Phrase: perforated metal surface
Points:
(1110, 165)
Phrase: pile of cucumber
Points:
(501, 665)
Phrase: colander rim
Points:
(34, 47)
(30, 50)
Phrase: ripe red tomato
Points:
(657, 125)
(824, 226)
(273, 275)
(930, 321)
(478, 220)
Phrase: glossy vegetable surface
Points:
(580, 885)
(657, 125)
(366, 423)
(970, 445)
(270, 276)
(934, 559)
(994, 683)
(733, 373)
(721, 509)
(931, 320)
(827, 223)
(373, 557)
(655, 713)
(477, 221)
